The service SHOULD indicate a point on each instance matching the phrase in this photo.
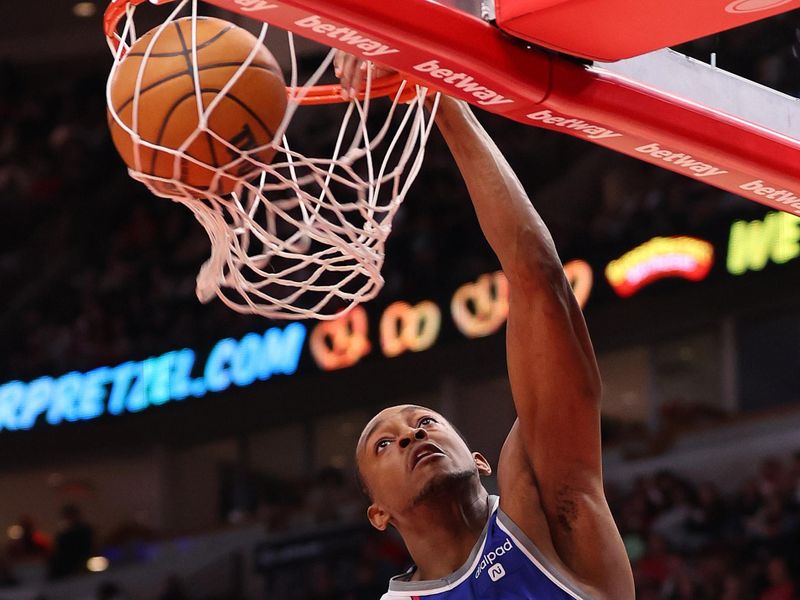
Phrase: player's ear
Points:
(484, 468)
(378, 517)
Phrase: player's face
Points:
(408, 453)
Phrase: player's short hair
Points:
(359, 477)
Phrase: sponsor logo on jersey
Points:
(488, 561)
(496, 572)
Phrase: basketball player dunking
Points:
(550, 534)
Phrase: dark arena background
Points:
(153, 447)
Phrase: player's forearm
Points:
(511, 225)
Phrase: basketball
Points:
(156, 94)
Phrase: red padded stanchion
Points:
(609, 30)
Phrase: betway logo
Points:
(255, 5)
(349, 36)
(590, 130)
(489, 559)
(785, 197)
(748, 6)
(680, 159)
(485, 96)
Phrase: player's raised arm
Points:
(553, 453)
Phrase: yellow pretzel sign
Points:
(341, 343)
(480, 308)
(409, 328)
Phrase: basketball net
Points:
(306, 238)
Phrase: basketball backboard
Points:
(609, 30)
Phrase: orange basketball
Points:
(165, 111)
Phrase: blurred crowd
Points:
(96, 270)
(327, 505)
(688, 541)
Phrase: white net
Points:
(303, 236)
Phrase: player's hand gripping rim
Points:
(353, 71)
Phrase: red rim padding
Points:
(387, 85)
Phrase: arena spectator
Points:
(331, 497)
(74, 544)
(780, 584)
(659, 563)
(173, 589)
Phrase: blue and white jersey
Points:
(503, 565)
